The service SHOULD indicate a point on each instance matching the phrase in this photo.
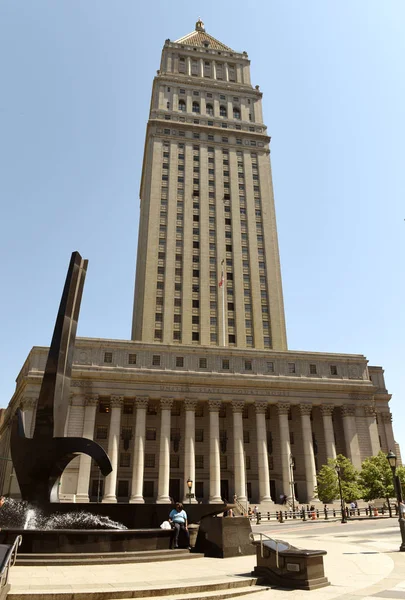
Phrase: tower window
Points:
(182, 106)
(222, 111)
(196, 107)
(333, 370)
(236, 113)
(210, 110)
(312, 369)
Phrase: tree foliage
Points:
(376, 478)
(328, 483)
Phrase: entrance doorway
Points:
(174, 489)
(224, 489)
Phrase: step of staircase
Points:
(107, 558)
(214, 589)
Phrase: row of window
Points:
(209, 109)
(210, 137)
(203, 362)
(218, 70)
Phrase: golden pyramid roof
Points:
(199, 37)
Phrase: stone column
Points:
(215, 463)
(386, 418)
(308, 447)
(238, 451)
(214, 69)
(262, 458)
(83, 479)
(330, 446)
(369, 411)
(138, 453)
(110, 483)
(188, 68)
(189, 448)
(226, 72)
(28, 406)
(201, 67)
(350, 434)
(283, 409)
(166, 405)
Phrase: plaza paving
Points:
(362, 562)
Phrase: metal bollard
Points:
(258, 517)
(268, 516)
(325, 510)
(334, 512)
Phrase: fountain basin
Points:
(49, 541)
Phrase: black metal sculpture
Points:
(40, 461)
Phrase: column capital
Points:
(386, 417)
(348, 410)
(190, 404)
(91, 400)
(261, 407)
(76, 400)
(116, 401)
(238, 406)
(166, 403)
(283, 408)
(369, 410)
(214, 405)
(305, 410)
(327, 410)
(141, 402)
(28, 403)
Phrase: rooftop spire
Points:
(199, 26)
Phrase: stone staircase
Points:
(107, 558)
(214, 589)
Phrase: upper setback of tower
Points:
(206, 142)
(204, 61)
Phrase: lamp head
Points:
(189, 483)
(392, 459)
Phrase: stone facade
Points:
(229, 419)
(207, 390)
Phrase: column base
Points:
(109, 500)
(216, 500)
(136, 500)
(163, 500)
(267, 499)
(242, 499)
(82, 498)
(187, 501)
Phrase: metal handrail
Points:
(264, 535)
(10, 562)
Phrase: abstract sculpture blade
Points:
(40, 461)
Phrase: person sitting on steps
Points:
(178, 517)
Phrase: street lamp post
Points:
(392, 460)
(342, 506)
(189, 485)
(292, 484)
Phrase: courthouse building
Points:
(207, 389)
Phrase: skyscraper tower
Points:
(208, 270)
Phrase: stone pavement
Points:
(356, 565)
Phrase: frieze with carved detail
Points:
(369, 411)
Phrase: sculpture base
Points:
(224, 537)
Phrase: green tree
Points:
(376, 478)
(328, 485)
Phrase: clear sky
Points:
(76, 80)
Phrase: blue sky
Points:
(76, 80)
